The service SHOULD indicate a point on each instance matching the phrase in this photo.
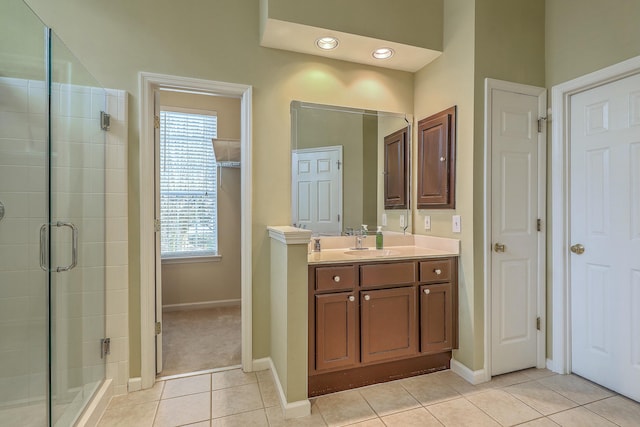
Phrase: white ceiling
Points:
(353, 48)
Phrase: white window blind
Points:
(188, 210)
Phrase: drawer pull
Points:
(336, 279)
(427, 291)
(352, 298)
(367, 297)
(437, 271)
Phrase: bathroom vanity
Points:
(379, 316)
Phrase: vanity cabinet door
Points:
(436, 161)
(336, 330)
(395, 170)
(388, 323)
(436, 318)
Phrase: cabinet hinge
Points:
(105, 347)
(158, 328)
(541, 122)
(539, 224)
(538, 323)
(156, 225)
(156, 122)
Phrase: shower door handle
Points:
(43, 247)
(74, 246)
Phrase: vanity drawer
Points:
(437, 270)
(398, 273)
(338, 277)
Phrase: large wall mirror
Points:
(342, 169)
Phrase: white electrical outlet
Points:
(384, 219)
(401, 220)
(427, 222)
(456, 226)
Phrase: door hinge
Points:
(538, 323)
(338, 217)
(158, 328)
(156, 122)
(539, 224)
(156, 225)
(339, 163)
(105, 347)
(105, 120)
(541, 120)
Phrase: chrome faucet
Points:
(360, 236)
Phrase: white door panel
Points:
(317, 189)
(604, 215)
(514, 208)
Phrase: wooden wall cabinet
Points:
(371, 322)
(436, 161)
(395, 170)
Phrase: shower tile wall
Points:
(23, 305)
(22, 190)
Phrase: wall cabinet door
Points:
(436, 160)
(388, 323)
(395, 170)
(436, 318)
(336, 330)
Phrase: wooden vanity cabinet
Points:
(380, 321)
(388, 326)
(436, 161)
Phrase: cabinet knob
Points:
(352, 298)
(437, 271)
(367, 297)
(427, 291)
(336, 279)
(442, 159)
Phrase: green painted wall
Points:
(217, 40)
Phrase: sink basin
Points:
(371, 252)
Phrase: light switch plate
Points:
(401, 220)
(456, 226)
(427, 222)
(384, 219)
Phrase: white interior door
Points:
(605, 222)
(516, 145)
(317, 189)
(158, 257)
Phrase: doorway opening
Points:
(198, 190)
(152, 86)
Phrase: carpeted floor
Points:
(197, 340)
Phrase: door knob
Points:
(499, 247)
(577, 249)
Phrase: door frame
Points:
(541, 94)
(560, 160)
(148, 83)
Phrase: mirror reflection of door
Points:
(317, 189)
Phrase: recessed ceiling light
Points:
(327, 43)
(383, 53)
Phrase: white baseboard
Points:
(261, 364)
(201, 305)
(473, 377)
(134, 384)
(300, 408)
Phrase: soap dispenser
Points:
(379, 238)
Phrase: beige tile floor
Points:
(534, 397)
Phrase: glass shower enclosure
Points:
(52, 226)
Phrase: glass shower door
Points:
(23, 199)
(77, 230)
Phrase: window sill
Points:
(192, 259)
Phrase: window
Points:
(188, 199)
